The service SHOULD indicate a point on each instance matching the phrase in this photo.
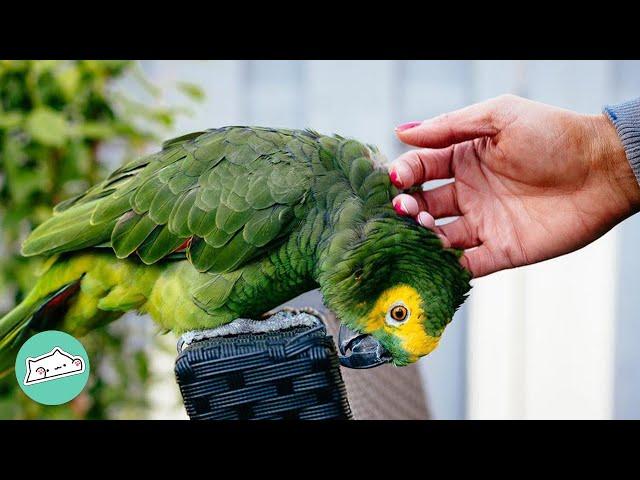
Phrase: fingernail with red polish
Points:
(395, 179)
(400, 208)
(407, 126)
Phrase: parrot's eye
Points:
(398, 313)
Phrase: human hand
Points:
(532, 181)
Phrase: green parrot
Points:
(231, 222)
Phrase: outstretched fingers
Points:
(418, 166)
(459, 233)
(440, 202)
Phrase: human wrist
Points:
(608, 158)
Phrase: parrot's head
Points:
(394, 291)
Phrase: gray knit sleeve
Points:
(626, 118)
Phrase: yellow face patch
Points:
(413, 338)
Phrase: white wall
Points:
(551, 353)
(531, 343)
(626, 84)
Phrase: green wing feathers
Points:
(235, 192)
(225, 199)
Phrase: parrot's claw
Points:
(272, 312)
(281, 319)
(309, 311)
(293, 311)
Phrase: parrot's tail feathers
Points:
(54, 307)
(28, 315)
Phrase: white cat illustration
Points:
(52, 366)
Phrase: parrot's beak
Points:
(360, 350)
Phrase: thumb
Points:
(475, 121)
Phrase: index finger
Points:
(475, 121)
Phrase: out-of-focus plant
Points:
(62, 123)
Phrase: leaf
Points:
(10, 120)
(192, 91)
(47, 127)
(26, 183)
(95, 130)
(69, 80)
(41, 66)
(35, 173)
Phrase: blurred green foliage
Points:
(62, 125)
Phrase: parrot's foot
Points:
(282, 319)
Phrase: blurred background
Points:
(554, 340)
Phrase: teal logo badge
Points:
(52, 367)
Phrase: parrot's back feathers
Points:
(129, 232)
(158, 244)
(180, 139)
(232, 191)
(312, 133)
